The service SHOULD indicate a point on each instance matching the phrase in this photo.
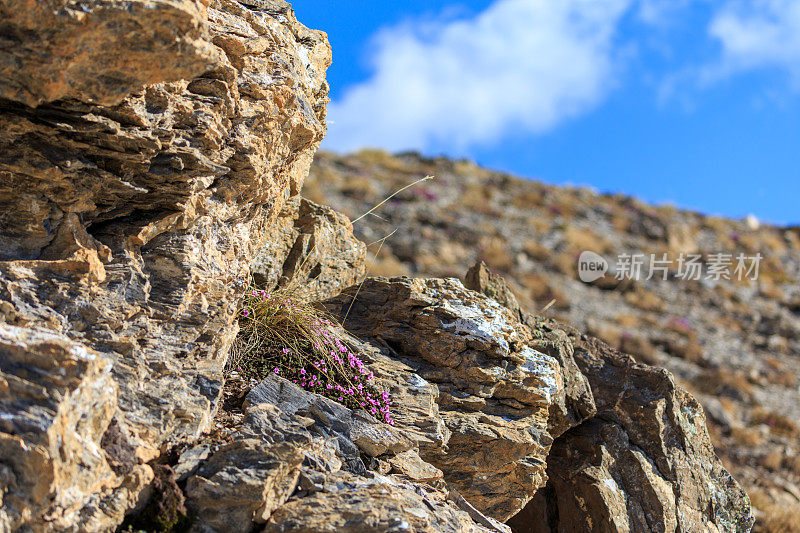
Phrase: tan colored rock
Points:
(480, 279)
(748, 331)
(574, 403)
(410, 465)
(643, 436)
(312, 248)
(601, 477)
(334, 488)
(352, 432)
(376, 438)
(494, 390)
(645, 463)
(99, 52)
(56, 398)
(131, 204)
(415, 401)
(620, 487)
(604, 482)
(379, 505)
(242, 484)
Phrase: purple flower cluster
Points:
(304, 348)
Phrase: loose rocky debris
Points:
(302, 462)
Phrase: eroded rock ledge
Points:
(151, 151)
(166, 136)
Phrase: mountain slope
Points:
(735, 344)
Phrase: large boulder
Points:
(639, 459)
(493, 387)
(643, 463)
(146, 146)
(533, 423)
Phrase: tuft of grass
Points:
(282, 335)
(299, 342)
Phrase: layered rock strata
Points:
(146, 146)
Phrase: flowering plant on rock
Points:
(302, 344)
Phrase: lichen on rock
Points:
(132, 202)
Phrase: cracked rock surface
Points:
(130, 204)
(493, 388)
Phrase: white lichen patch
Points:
(545, 369)
(611, 485)
(485, 323)
(416, 382)
(81, 353)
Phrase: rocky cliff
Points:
(151, 157)
(144, 148)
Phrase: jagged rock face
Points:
(131, 204)
(733, 345)
(643, 463)
(655, 434)
(374, 506)
(51, 441)
(312, 248)
(100, 51)
(492, 387)
(147, 152)
(471, 386)
(301, 462)
(170, 154)
(244, 482)
(637, 458)
(576, 402)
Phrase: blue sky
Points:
(693, 102)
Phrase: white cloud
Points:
(757, 34)
(521, 66)
(661, 12)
